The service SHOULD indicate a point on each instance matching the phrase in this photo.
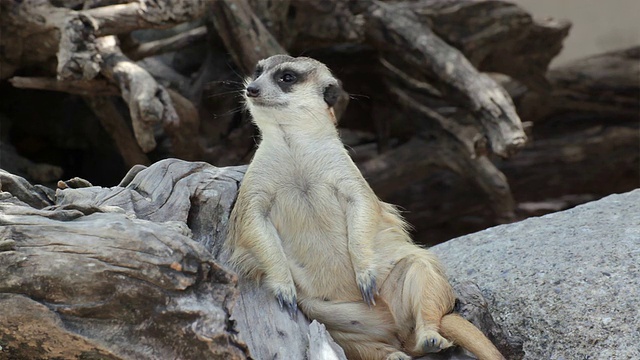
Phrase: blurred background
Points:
(510, 110)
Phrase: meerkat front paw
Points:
(367, 284)
(431, 341)
(287, 299)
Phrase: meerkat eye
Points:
(288, 77)
(258, 72)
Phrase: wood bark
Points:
(116, 126)
(84, 279)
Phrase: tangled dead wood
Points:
(419, 64)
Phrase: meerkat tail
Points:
(455, 328)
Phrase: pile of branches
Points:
(424, 110)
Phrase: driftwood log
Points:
(137, 271)
(162, 79)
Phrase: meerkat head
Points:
(285, 89)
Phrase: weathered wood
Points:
(398, 101)
(430, 121)
(116, 126)
(80, 56)
(151, 238)
(71, 34)
(148, 101)
(84, 261)
(603, 87)
(322, 347)
(18, 188)
(145, 14)
(398, 168)
(96, 87)
(16, 164)
(585, 129)
(173, 43)
(244, 35)
(398, 31)
(496, 36)
(183, 131)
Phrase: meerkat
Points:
(308, 226)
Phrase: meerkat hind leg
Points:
(432, 299)
(365, 333)
(418, 292)
(360, 347)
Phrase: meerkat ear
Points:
(332, 94)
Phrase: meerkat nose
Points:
(253, 91)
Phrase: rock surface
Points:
(568, 283)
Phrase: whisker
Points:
(237, 92)
(350, 148)
(312, 115)
(230, 112)
(234, 70)
(226, 82)
(358, 96)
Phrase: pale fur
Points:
(309, 226)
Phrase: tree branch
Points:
(145, 14)
(149, 103)
(173, 43)
(116, 126)
(244, 35)
(96, 87)
(398, 31)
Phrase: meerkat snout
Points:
(253, 91)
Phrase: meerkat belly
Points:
(312, 226)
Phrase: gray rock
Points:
(568, 283)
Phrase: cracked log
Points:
(87, 278)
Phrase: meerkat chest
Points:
(307, 197)
(308, 210)
(309, 216)
(305, 191)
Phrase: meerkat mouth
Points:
(262, 102)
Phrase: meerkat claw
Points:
(434, 342)
(290, 305)
(369, 290)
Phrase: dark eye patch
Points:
(286, 78)
(258, 71)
